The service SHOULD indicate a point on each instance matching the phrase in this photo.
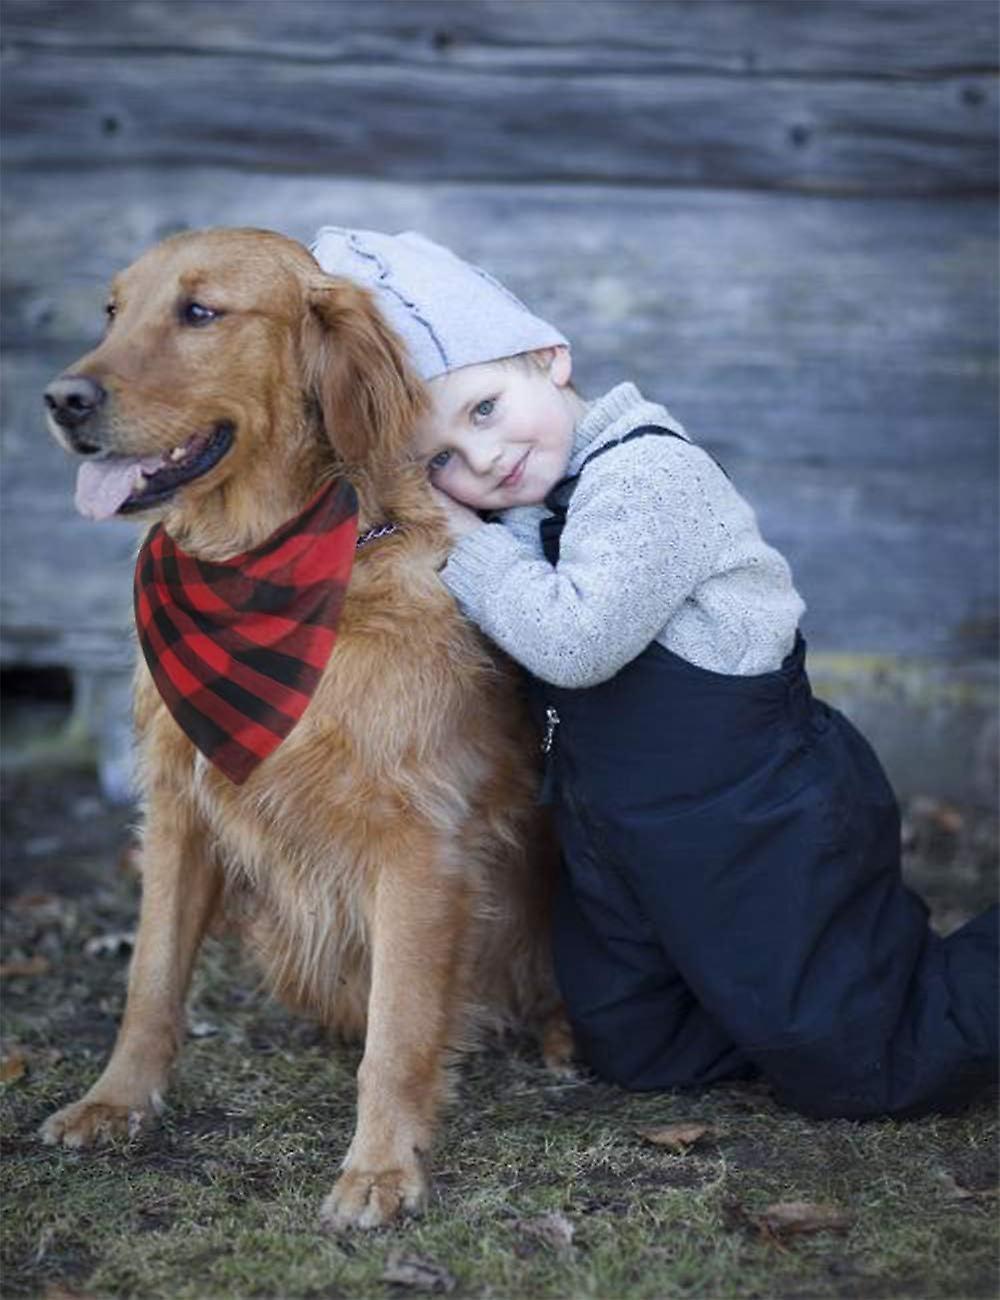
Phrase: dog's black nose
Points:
(72, 400)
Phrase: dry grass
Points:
(220, 1199)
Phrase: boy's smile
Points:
(499, 434)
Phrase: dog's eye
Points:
(110, 310)
(193, 313)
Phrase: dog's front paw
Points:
(370, 1200)
(86, 1122)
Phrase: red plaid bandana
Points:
(236, 649)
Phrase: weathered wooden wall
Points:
(780, 219)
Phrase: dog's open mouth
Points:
(120, 485)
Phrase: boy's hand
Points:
(461, 520)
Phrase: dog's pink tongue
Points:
(103, 486)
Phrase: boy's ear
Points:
(358, 369)
(561, 366)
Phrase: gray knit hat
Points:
(449, 313)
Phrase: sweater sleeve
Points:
(641, 532)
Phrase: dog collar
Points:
(373, 534)
(237, 648)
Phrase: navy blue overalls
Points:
(730, 899)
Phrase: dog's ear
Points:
(357, 368)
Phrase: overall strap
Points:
(557, 500)
(640, 432)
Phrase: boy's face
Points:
(499, 435)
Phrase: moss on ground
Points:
(543, 1188)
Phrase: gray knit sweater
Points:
(658, 546)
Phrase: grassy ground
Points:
(542, 1188)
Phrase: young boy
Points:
(730, 900)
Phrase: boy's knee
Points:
(808, 1082)
(886, 1085)
(660, 1052)
(958, 1094)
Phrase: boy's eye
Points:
(485, 408)
(439, 461)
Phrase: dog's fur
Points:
(382, 862)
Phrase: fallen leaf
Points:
(949, 819)
(954, 1191)
(944, 816)
(678, 1137)
(117, 944)
(417, 1272)
(787, 1217)
(25, 966)
(552, 1229)
(13, 1066)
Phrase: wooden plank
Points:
(65, 595)
(844, 330)
(866, 568)
(874, 38)
(874, 557)
(840, 357)
(900, 559)
(80, 109)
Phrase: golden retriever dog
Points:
(385, 863)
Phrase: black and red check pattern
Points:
(237, 648)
